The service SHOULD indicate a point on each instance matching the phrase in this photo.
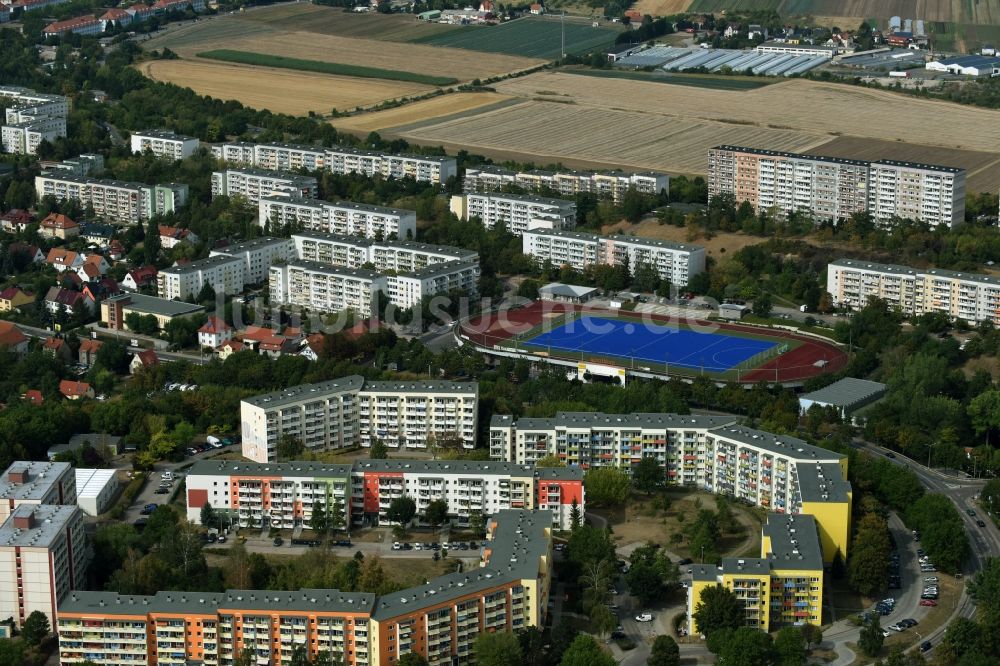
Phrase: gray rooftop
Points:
(371, 153)
(201, 264)
(847, 393)
(792, 447)
(441, 268)
(303, 392)
(705, 572)
(163, 134)
(478, 467)
(794, 541)
(639, 420)
(822, 482)
(345, 205)
(328, 237)
(49, 523)
(191, 603)
(908, 271)
(422, 386)
(567, 290)
(330, 269)
(526, 198)
(631, 240)
(267, 173)
(414, 246)
(41, 477)
(756, 566)
(153, 305)
(250, 245)
(292, 468)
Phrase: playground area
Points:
(641, 342)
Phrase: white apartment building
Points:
(338, 217)
(258, 256)
(227, 275)
(350, 411)
(518, 213)
(81, 165)
(43, 555)
(708, 452)
(35, 482)
(605, 185)
(252, 184)
(113, 200)
(283, 494)
(338, 160)
(422, 168)
(31, 118)
(833, 189)
(408, 289)
(676, 262)
(968, 296)
(325, 288)
(165, 144)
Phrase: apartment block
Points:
(252, 184)
(35, 482)
(517, 213)
(384, 255)
(972, 297)
(676, 262)
(351, 411)
(31, 118)
(81, 165)
(164, 144)
(781, 588)
(325, 288)
(833, 189)
(407, 290)
(613, 186)
(226, 274)
(43, 556)
(274, 156)
(283, 495)
(421, 168)
(113, 200)
(782, 474)
(439, 620)
(338, 217)
(258, 256)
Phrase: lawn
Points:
(696, 80)
(341, 69)
(527, 37)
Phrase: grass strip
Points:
(694, 80)
(340, 69)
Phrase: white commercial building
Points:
(325, 288)
(676, 262)
(252, 184)
(96, 489)
(31, 118)
(351, 411)
(226, 275)
(430, 169)
(518, 213)
(605, 185)
(833, 189)
(43, 556)
(258, 256)
(972, 297)
(338, 217)
(967, 65)
(35, 482)
(113, 200)
(164, 143)
(283, 495)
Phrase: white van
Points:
(168, 475)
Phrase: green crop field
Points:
(527, 37)
(733, 5)
(265, 60)
(695, 80)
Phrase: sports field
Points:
(653, 344)
(527, 37)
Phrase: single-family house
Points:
(12, 338)
(74, 390)
(312, 346)
(228, 348)
(57, 225)
(116, 250)
(16, 220)
(173, 236)
(57, 348)
(537, 8)
(137, 278)
(144, 360)
(34, 396)
(62, 259)
(99, 234)
(214, 332)
(87, 354)
(57, 298)
(23, 254)
(12, 298)
(94, 266)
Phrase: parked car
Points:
(980, 523)
(397, 546)
(930, 579)
(925, 646)
(928, 602)
(971, 513)
(644, 617)
(278, 541)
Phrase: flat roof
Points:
(335, 150)
(705, 572)
(331, 269)
(794, 448)
(421, 386)
(42, 475)
(293, 468)
(269, 173)
(200, 264)
(846, 392)
(822, 482)
(896, 269)
(478, 467)
(163, 134)
(801, 156)
(637, 420)
(751, 566)
(92, 482)
(154, 305)
(794, 542)
(346, 205)
(568, 290)
(441, 268)
(295, 394)
(330, 237)
(526, 198)
(250, 245)
(49, 523)
(194, 603)
(427, 248)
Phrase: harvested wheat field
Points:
(417, 111)
(798, 105)
(257, 37)
(549, 131)
(335, 21)
(662, 7)
(276, 90)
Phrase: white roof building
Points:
(95, 489)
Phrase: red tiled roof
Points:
(70, 388)
(234, 345)
(55, 344)
(58, 255)
(17, 216)
(215, 325)
(10, 335)
(258, 334)
(114, 14)
(89, 345)
(34, 396)
(148, 357)
(9, 293)
(70, 24)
